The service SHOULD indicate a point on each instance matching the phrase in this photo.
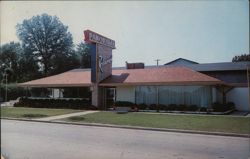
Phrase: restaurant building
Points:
(178, 82)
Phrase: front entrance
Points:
(109, 97)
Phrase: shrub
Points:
(153, 107)
(124, 104)
(203, 109)
(162, 107)
(142, 106)
(172, 107)
(192, 108)
(218, 107)
(55, 103)
(230, 105)
(182, 107)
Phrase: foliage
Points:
(243, 57)
(47, 41)
(153, 107)
(203, 109)
(218, 107)
(172, 107)
(9, 57)
(192, 108)
(83, 52)
(56, 103)
(142, 106)
(124, 104)
(230, 105)
(182, 107)
(13, 92)
(18, 65)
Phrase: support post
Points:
(94, 92)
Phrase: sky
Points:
(201, 31)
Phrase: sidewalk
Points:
(234, 114)
(65, 116)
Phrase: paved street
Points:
(35, 140)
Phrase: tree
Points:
(28, 68)
(9, 58)
(64, 63)
(83, 52)
(48, 42)
(19, 67)
(243, 57)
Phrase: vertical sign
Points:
(101, 55)
(101, 63)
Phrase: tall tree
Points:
(243, 57)
(16, 64)
(48, 40)
(9, 58)
(83, 52)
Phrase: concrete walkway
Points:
(66, 116)
(234, 114)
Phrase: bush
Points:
(124, 104)
(142, 106)
(182, 107)
(56, 103)
(230, 105)
(172, 107)
(203, 109)
(192, 108)
(153, 107)
(218, 107)
(162, 107)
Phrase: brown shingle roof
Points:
(159, 76)
(149, 76)
(77, 77)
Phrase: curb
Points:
(135, 127)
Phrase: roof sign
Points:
(92, 37)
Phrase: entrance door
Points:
(110, 97)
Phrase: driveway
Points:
(28, 140)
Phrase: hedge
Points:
(56, 103)
(217, 107)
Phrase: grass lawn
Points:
(188, 122)
(19, 112)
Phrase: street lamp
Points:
(6, 89)
(248, 83)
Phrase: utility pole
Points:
(157, 61)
